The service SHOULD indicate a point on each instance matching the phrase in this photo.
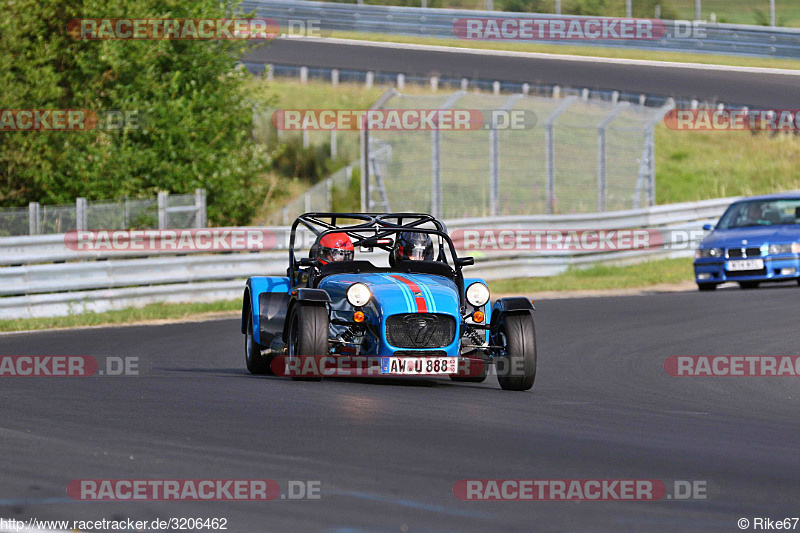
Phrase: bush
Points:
(196, 117)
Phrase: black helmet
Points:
(413, 246)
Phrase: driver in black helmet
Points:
(413, 246)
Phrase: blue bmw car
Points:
(756, 240)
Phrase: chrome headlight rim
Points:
(358, 294)
(784, 248)
(709, 253)
(477, 294)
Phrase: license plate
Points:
(417, 366)
(746, 264)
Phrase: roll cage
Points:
(374, 230)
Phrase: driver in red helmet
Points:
(335, 247)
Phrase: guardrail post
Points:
(80, 214)
(270, 70)
(335, 77)
(334, 147)
(200, 206)
(464, 84)
(370, 79)
(496, 88)
(306, 138)
(163, 217)
(303, 74)
(550, 149)
(34, 218)
(401, 81)
(434, 83)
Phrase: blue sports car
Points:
(411, 313)
(757, 239)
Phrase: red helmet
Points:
(335, 247)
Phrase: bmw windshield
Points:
(761, 213)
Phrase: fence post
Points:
(558, 7)
(550, 151)
(200, 208)
(772, 13)
(126, 213)
(436, 157)
(334, 147)
(494, 154)
(698, 11)
(628, 9)
(364, 165)
(489, 5)
(80, 214)
(34, 218)
(163, 217)
(602, 159)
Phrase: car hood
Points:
(755, 236)
(400, 293)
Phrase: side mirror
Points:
(465, 261)
(708, 227)
(307, 262)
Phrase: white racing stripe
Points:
(561, 57)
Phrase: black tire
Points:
(308, 337)
(256, 362)
(517, 370)
(748, 284)
(707, 286)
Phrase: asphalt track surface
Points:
(389, 452)
(766, 90)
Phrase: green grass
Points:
(694, 166)
(122, 316)
(600, 277)
(787, 12)
(578, 50)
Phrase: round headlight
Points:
(358, 294)
(477, 294)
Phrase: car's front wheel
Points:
(516, 369)
(256, 362)
(308, 342)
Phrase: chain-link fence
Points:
(338, 193)
(179, 211)
(572, 155)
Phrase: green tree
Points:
(195, 116)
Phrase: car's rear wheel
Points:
(308, 342)
(256, 362)
(516, 369)
(748, 284)
(707, 286)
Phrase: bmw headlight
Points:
(705, 253)
(358, 294)
(791, 248)
(477, 294)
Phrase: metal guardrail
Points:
(51, 279)
(719, 38)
